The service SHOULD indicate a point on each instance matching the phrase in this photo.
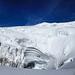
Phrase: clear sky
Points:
(28, 12)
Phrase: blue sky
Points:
(28, 12)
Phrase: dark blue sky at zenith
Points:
(28, 12)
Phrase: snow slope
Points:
(42, 46)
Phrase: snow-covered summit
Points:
(41, 46)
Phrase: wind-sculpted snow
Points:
(42, 46)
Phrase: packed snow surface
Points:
(41, 46)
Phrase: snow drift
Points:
(42, 46)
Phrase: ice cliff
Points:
(41, 46)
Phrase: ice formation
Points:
(41, 46)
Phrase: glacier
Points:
(41, 46)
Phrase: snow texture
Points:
(41, 46)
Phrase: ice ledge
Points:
(43, 46)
